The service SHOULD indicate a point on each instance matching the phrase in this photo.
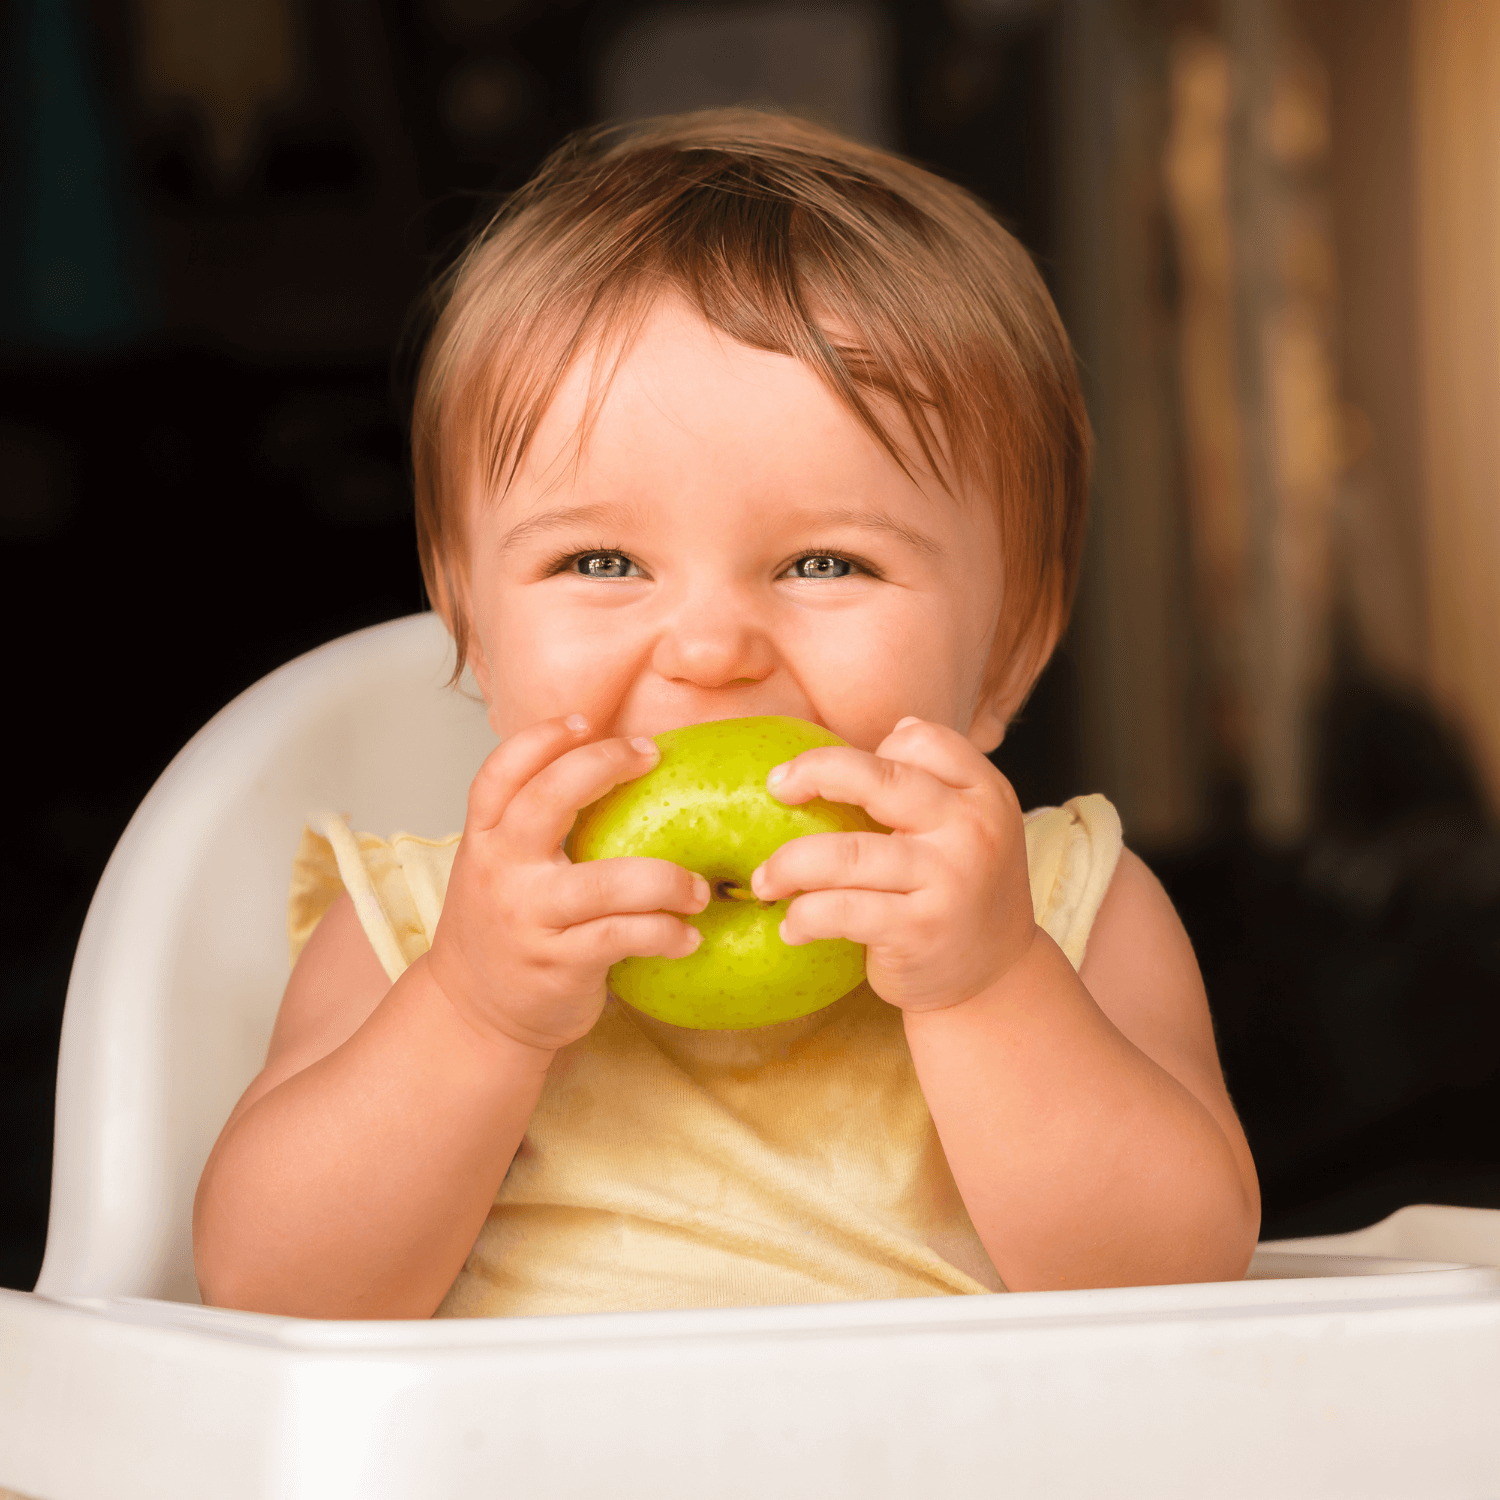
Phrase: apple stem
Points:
(732, 890)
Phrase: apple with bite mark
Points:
(705, 806)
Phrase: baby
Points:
(729, 416)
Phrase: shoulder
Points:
(1142, 973)
(1138, 945)
(336, 983)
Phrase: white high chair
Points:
(1360, 1365)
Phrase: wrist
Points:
(1012, 975)
(508, 1044)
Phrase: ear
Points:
(987, 728)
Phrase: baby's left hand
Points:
(942, 902)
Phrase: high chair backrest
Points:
(183, 956)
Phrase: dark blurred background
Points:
(1273, 231)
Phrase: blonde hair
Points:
(897, 288)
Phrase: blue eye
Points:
(822, 565)
(603, 565)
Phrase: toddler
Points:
(725, 415)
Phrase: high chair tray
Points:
(1361, 1365)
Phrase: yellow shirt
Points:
(668, 1168)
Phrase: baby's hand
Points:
(942, 903)
(526, 936)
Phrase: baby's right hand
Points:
(526, 936)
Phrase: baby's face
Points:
(731, 542)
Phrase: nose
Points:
(713, 639)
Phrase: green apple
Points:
(705, 806)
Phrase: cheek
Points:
(549, 663)
(864, 677)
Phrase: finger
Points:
(606, 887)
(607, 940)
(542, 811)
(510, 765)
(861, 916)
(857, 861)
(900, 796)
(940, 751)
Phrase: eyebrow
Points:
(873, 520)
(559, 520)
(604, 514)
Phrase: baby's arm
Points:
(354, 1175)
(1084, 1116)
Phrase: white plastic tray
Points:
(1321, 1375)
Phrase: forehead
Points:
(677, 400)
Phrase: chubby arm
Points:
(1083, 1115)
(352, 1178)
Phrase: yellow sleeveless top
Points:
(668, 1168)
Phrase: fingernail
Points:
(701, 891)
(909, 719)
(644, 745)
(577, 723)
(755, 881)
(781, 933)
(697, 939)
(776, 775)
